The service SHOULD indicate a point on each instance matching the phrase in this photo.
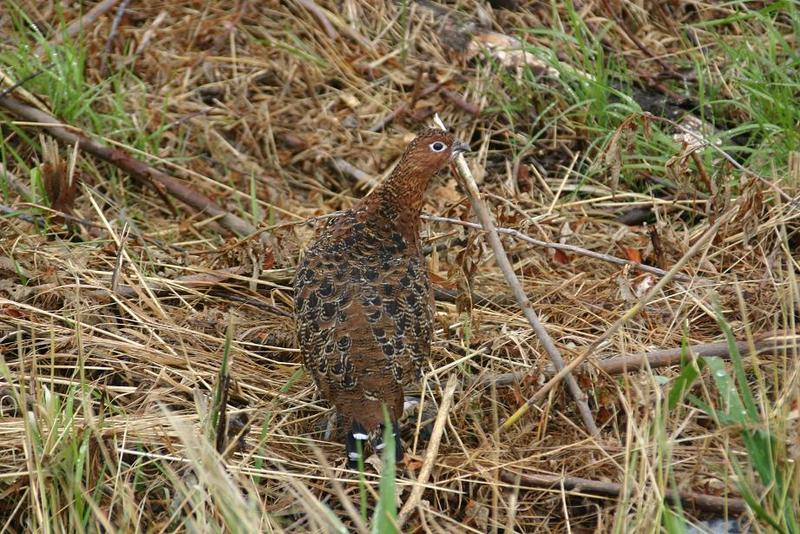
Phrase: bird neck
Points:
(401, 197)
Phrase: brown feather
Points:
(363, 298)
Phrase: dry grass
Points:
(112, 331)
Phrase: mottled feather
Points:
(363, 299)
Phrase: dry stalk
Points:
(430, 453)
(516, 288)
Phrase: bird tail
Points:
(358, 436)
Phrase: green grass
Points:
(765, 476)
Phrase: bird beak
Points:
(460, 147)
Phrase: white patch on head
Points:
(359, 435)
(354, 455)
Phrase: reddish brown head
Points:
(402, 194)
(429, 152)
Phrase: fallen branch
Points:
(430, 453)
(516, 288)
(691, 499)
(81, 23)
(460, 102)
(137, 169)
(112, 34)
(626, 363)
(564, 373)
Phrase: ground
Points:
(150, 378)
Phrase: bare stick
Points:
(626, 363)
(560, 246)
(631, 313)
(137, 169)
(402, 108)
(86, 20)
(112, 34)
(699, 501)
(516, 288)
(430, 453)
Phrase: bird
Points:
(363, 301)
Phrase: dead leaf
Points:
(559, 256)
(632, 254)
(442, 282)
(508, 51)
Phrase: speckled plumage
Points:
(363, 299)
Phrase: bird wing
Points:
(365, 319)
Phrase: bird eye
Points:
(438, 146)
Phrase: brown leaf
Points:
(412, 463)
(442, 282)
(632, 254)
(559, 256)
(269, 260)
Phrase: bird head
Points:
(432, 149)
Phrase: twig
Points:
(516, 288)
(112, 33)
(137, 169)
(698, 501)
(23, 81)
(11, 212)
(560, 246)
(364, 179)
(625, 363)
(222, 422)
(76, 26)
(15, 183)
(632, 312)
(430, 453)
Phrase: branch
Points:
(81, 23)
(699, 501)
(516, 288)
(626, 363)
(137, 169)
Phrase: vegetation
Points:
(149, 379)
